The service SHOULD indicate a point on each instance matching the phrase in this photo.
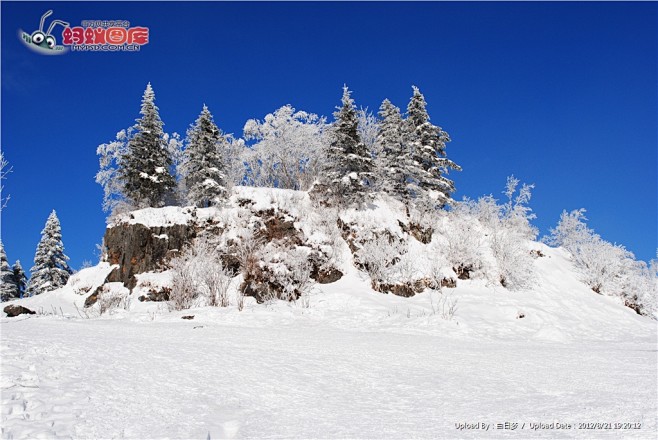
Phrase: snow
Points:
(354, 363)
(300, 378)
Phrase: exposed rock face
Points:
(326, 276)
(420, 233)
(463, 271)
(137, 248)
(263, 242)
(91, 299)
(15, 310)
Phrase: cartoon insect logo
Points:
(44, 42)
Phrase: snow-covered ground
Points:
(355, 364)
(64, 378)
(348, 363)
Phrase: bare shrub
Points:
(217, 283)
(239, 299)
(183, 284)
(247, 252)
(299, 283)
(378, 254)
(327, 224)
(110, 299)
(445, 305)
(198, 276)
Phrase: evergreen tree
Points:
(393, 159)
(51, 270)
(8, 285)
(350, 167)
(428, 163)
(145, 167)
(21, 279)
(205, 176)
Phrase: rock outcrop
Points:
(14, 310)
(138, 248)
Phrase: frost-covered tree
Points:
(51, 270)
(510, 231)
(607, 268)
(428, 164)
(234, 149)
(8, 284)
(349, 173)
(393, 158)
(288, 150)
(368, 129)
(504, 229)
(205, 177)
(145, 167)
(4, 170)
(20, 278)
(109, 157)
(601, 262)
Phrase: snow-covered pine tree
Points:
(349, 173)
(145, 170)
(51, 270)
(8, 285)
(20, 278)
(393, 158)
(204, 168)
(428, 164)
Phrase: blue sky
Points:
(563, 95)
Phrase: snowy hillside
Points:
(337, 358)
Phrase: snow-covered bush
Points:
(296, 279)
(199, 278)
(493, 238)
(280, 273)
(275, 269)
(378, 255)
(465, 240)
(248, 253)
(607, 268)
(510, 228)
(113, 297)
(326, 223)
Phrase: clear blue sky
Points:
(563, 95)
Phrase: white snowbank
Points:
(355, 363)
